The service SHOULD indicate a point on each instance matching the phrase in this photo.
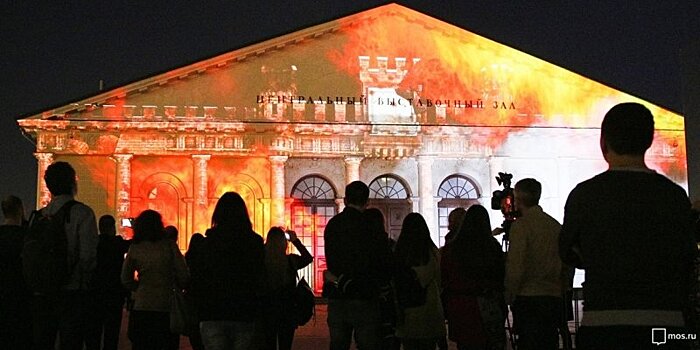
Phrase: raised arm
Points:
(303, 260)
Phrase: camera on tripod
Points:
(504, 200)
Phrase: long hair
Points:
(414, 246)
(475, 226)
(148, 226)
(478, 252)
(231, 213)
(276, 261)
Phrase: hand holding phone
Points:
(290, 235)
(126, 222)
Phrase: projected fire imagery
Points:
(427, 112)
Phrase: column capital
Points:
(201, 156)
(422, 158)
(122, 157)
(44, 156)
(278, 160)
(354, 160)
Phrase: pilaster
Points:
(425, 192)
(200, 163)
(277, 217)
(123, 187)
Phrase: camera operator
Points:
(534, 271)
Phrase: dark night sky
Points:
(55, 52)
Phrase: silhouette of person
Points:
(110, 294)
(227, 275)
(15, 298)
(358, 258)
(67, 312)
(629, 228)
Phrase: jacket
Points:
(161, 267)
(227, 275)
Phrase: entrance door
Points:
(390, 195)
(314, 205)
(394, 212)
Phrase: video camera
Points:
(504, 200)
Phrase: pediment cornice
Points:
(238, 55)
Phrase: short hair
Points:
(628, 128)
(171, 232)
(12, 206)
(148, 226)
(106, 224)
(356, 193)
(529, 191)
(60, 178)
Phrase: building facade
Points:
(425, 113)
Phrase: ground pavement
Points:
(313, 336)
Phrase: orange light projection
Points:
(516, 90)
(368, 86)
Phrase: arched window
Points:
(312, 188)
(163, 192)
(387, 187)
(458, 187)
(314, 204)
(456, 191)
(390, 195)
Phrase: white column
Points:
(200, 163)
(201, 193)
(277, 190)
(123, 187)
(425, 193)
(43, 196)
(352, 169)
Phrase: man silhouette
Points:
(358, 258)
(629, 228)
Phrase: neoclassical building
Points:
(425, 113)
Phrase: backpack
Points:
(46, 263)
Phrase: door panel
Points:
(309, 222)
(394, 211)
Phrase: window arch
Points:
(313, 187)
(458, 187)
(456, 191)
(388, 187)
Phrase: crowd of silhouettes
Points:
(631, 229)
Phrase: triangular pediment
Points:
(453, 64)
(391, 70)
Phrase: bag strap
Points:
(172, 265)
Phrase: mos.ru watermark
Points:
(660, 336)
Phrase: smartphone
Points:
(286, 235)
(126, 222)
